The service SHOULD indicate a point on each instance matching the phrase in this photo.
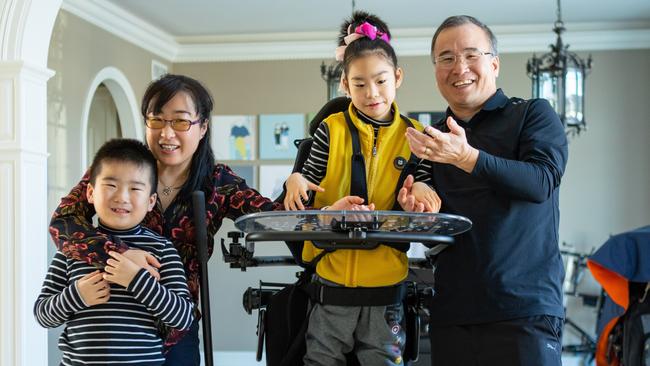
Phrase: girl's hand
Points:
(297, 187)
(406, 199)
(351, 203)
(93, 289)
(120, 269)
(427, 196)
(145, 260)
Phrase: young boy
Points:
(111, 315)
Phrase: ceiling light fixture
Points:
(559, 77)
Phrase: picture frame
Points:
(277, 133)
(233, 137)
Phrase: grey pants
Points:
(373, 333)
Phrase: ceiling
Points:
(215, 30)
(218, 17)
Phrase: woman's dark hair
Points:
(161, 91)
(125, 151)
(457, 21)
(365, 46)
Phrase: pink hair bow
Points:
(363, 30)
(371, 32)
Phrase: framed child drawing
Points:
(233, 137)
(277, 133)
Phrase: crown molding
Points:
(125, 25)
(314, 45)
(409, 42)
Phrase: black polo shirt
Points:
(508, 265)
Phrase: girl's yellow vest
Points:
(382, 266)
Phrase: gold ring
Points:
(426, 150)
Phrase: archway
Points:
(125, 101)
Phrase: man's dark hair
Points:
(458, 20)
(125, 151)
(161, 91)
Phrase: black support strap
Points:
(356, 296)
(358, 186)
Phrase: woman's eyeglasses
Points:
(178, 124)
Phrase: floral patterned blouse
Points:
(227, 196)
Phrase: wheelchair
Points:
(284, 308)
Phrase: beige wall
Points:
(78, 51)
(604, 190)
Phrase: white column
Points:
(25, 29)
(23, 210)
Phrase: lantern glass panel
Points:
(573, 96)
(548, 88)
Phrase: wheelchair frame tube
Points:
(198, 203)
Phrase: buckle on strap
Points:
(356, 296)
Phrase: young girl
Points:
(371, 78)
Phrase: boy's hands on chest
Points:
(120, 269)
(93, 289)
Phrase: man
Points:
(499, 162)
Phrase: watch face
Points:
(399, 163)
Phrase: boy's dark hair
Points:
(365, 46)
(458, 20)
(125, 151)
(161, 91)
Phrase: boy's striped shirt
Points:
(123, 330)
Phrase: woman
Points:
(176, 110)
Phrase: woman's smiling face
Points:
(175, 148)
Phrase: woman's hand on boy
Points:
(120, 269)
(145, 260)
(93, 289)
(297, 187)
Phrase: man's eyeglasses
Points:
(447, 61)
(178, 124)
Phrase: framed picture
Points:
(272, 178)
(233, 137)
(427, 118)
(277, 133)
(247, 172)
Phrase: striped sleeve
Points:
(316, 165)
(169, 300)
(58, 300)
(424, 172)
